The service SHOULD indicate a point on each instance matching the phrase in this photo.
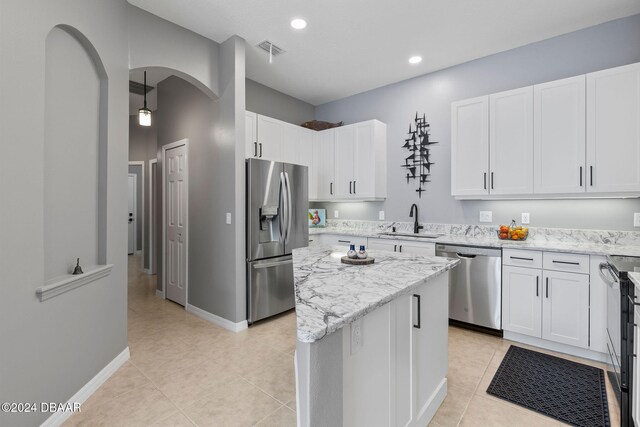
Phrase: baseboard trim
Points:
(554, 346)
(426, 414)
(217, 320)
(159, 293)
(58, 418)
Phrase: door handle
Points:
(591, 176)
(345, 241)
(485, 180)
(255, 149)
(400, 248)
(354, 187)
(261, 150)
(395, 247)
(331, 188)
(580, 176)
(350, 192)
(547, 288)
(419, 320)
(289, 205)
(605, 266)
(465, 256)
(521, 258)
(281, 213)
(537, 283)
(492, 180)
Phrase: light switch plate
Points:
(228, 217)
(381, 215)
(336, 214)
(636, 219)
(486, 216)
(525, 218)
(356, 336)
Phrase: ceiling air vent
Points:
(138, 88)
(269, 47)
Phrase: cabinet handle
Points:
(419, 321)
(580, 176)
(261, 150)
(485, 180)
(492, 180)
(255, 149)
(331, 188)
(565, 262)
(395, 247)
(354, 187)
(547, 288)
(591, 176)
(344, 241)
(400, 248)
(537, 282)
(521, 258)
(350, 191)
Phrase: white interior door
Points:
(132, 185)
(175, 206)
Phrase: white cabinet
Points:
(405, 246)
(597, 306)
(323, 164)
(251, 134)
(613, 130)
(297, 145)
(470, 147)
(521, 300)
(552, 303)
(559, 136)
(270, 135)
(360, 161)
(565, 308)
(343, 240)
(511, 142)
(421, 352)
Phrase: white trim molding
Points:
(160, 293)
(58, 418)
(150, 213)
(69, 282)
(217, 320)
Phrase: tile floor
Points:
(184, 371)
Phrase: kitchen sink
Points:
(418, 235)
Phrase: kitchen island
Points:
(371, 340)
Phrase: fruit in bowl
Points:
(511, 232)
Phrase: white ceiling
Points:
(351, 46)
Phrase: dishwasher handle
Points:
(467, 256)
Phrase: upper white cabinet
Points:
(578, 136)
(251, 134)
(559, 136)
(613, 130)
(270, 134)
(351, 162)
(511, 142)
(470, 147)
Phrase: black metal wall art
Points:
(418, 163)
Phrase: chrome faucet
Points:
(416, 227)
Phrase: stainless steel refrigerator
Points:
(277, 223)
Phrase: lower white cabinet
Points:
(342, 240)
(521, 300)
(565, 308)
(406, 246)
(552, 305)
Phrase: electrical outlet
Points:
(356, 336)
(381, 215)
(336, 214)
(228, 217)
(636, 219)
(525, 218)
(486, 216)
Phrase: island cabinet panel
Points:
(405, 246)
(366, 346)
(421, 348)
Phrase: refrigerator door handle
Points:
(282, 214)
(289, 205)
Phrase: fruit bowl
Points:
(513, 233)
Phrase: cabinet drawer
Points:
(522, 258)
(558, 261)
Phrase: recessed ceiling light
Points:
(298, 23)
(415, 59)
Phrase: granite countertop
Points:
(585, 247)
(330, 294)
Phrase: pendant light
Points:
(144, 114)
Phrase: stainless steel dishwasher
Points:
(475, 285)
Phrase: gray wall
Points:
(607, 45)
(143, 146)
(53, 348)
(269, 102)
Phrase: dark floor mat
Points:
(567, 391)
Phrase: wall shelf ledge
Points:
(68, 282)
